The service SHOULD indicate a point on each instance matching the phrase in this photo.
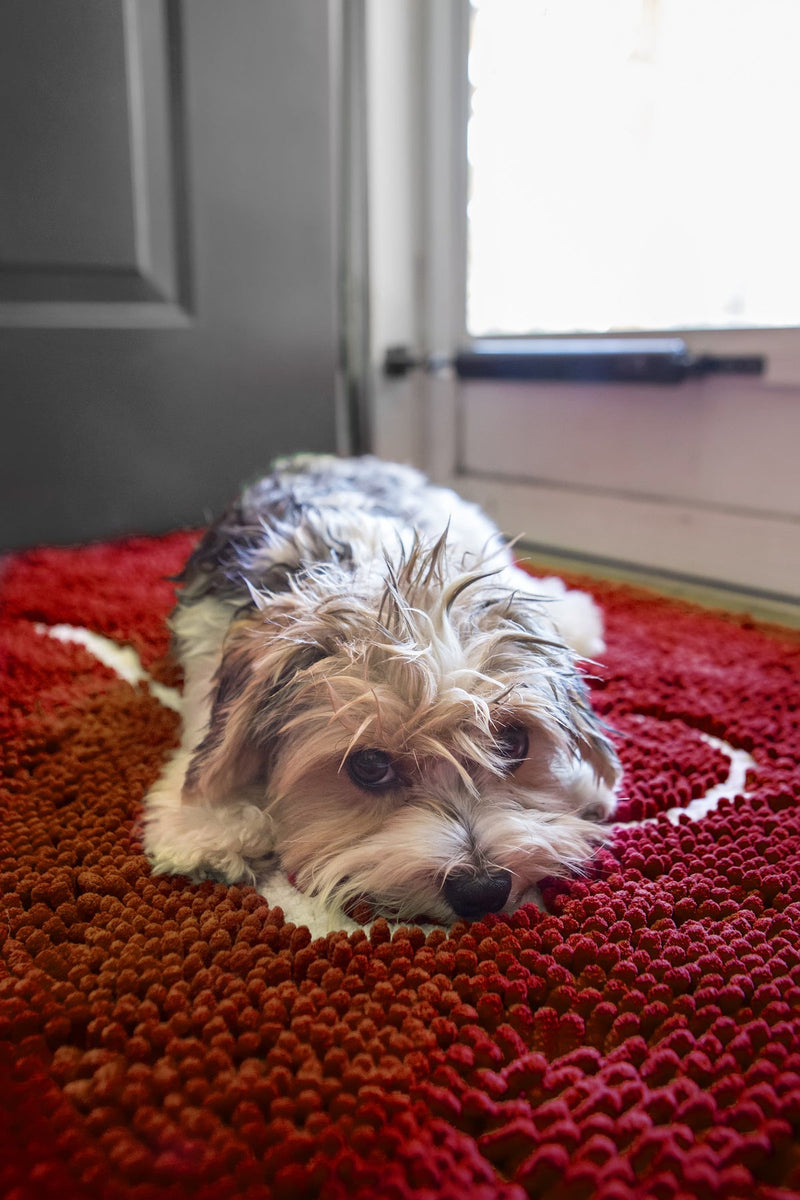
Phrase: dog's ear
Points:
(588, 735)
(234, 757)
(526, 634)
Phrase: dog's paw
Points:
(592, 799)
(228, 842)
(580, 623)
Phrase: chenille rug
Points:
(636, 1036)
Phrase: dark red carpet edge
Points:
(157, 1039)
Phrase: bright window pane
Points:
(634, 164)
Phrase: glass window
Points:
(633, 165)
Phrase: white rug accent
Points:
(734, 785)
(122, 660)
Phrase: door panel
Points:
(63, 75)
(703, 442)
(92, 211)
(167, 318)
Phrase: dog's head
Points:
(421, 740)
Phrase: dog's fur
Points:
(346, 605)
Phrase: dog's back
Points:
(318, 508)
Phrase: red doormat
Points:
(639, 1038)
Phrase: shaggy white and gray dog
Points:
(379, 700)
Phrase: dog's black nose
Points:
(472, 894)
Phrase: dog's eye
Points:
(371, 769)
(512, 746)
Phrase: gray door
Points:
(166, 257)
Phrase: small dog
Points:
(377, 698)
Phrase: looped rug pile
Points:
(637, 1037)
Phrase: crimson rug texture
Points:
(639, 1036)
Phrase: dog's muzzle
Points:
(472, 894)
